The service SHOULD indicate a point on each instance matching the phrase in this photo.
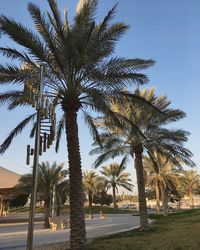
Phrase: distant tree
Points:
(103, 198)
(138, 129)
(90, 183)
(190, 182)
(150, 194)
(61, 194)
(115, 176)
(49, 176)
(174, 195)
(19, 200)
(162, 178)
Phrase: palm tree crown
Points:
(190, 181)
(81, 73)
(49, 177)
(91, 183)
(138, 128)
(161, 178)
(114, 176)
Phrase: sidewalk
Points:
(9, 229)
(14, 236)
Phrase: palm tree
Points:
(90, 183)
(161, 178)
(190, 182)
(137, 129)
(48, 178)
(114, 176)
(81, 73)
(61, 195)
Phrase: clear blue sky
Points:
(167, 31)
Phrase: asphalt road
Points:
(14, 235)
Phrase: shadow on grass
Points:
(178, 231)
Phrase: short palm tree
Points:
(81, 73)
(61, 195)
(90, 184)
(137, 129)
(160, 178)
(49, 176)
(190, 183)
(114, 176)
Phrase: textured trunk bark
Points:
(191, 199)
(1, 206)
(114, 197)
(179, 205)
(90, 205)
(46, 213)
(157, 199)
(58, 207)
(164, 200)
(144, 224)
(77, 218)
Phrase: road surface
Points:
(14, 235)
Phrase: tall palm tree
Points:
(115, 176)
(81, 73)
(137, 129)
(190, 182)
(90, 184)
(161, 178)
(49, 176)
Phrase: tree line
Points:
(83, 74)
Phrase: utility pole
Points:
(35, 163)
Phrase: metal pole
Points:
(35, 166)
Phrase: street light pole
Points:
(35, 164)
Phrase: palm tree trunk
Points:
(77, 218)
(157, 199)
(144, 224)
(46, 213)
(58, 207)
(164, 200)
(90, 205)
(191, 199)
(1, 206)
(114, 197)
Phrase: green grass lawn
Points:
(26, 209)
(65, 210)
(180, 231)
(104, 209)
(108, 210)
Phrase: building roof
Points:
(8, 179)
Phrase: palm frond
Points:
(10, 96)
(11, 74)
(12, 53)
(105, 23)
(60, 128)
(21, 35)
(33, 130)
(92, 127)
(17, 130)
